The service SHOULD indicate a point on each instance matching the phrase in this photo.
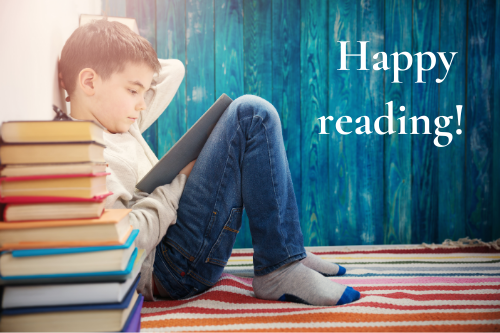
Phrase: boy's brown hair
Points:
(105, 47)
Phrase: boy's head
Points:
(106, 68)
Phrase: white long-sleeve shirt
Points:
(129, 158)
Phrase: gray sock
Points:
(320, 265)
(295, 282)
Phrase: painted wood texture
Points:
(342, 152)
(424, 100)
(451, 177)
(370, 158)
(479, 148)
(495, 215)
(397, 147)
(316, 216)
(171, 43)
(350, 189)
(356, 161)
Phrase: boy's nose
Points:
(141, 106)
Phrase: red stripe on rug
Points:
(424, 307)
(199, 310)
(440, 287)
(440, 297)
(221, 296)
(232, 283)
(428, 328)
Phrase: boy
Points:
(188, 227)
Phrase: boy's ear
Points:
(86, 80)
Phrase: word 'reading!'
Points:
(365, 127)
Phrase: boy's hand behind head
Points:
(106, 68)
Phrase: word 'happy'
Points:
(383, 64)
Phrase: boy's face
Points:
(119, 99)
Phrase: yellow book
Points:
(85, 186)
(111, 228)
(51, 131)
(51, 153)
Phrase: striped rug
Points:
(403, 288)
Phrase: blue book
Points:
(133, 323)
(134, 265)
(92, 317)
(81, 260)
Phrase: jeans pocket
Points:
(221, 250)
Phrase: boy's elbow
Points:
(181, 67)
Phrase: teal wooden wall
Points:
(352, 189)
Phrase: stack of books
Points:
(66, 263)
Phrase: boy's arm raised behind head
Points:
(161, 94)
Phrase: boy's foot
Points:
(297, 283)
(322, 266)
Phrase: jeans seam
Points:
(217, 262)
(179, 248)
(232, 230)
(170, 262)
(274, 185)
(200, 279)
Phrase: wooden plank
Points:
(344, 93)
(257, 71)
(114, 7)
(496, 133)
(286, 71)
(315, 221)
(424, 184)
(370, 157)
(200, 71)
(228, 48)
(479, 153)
(257, 64)
(397, 147)
(171, 44)
(451, 190)
(144, 11)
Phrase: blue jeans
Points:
(243, 163)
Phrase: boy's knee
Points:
(259, 106)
